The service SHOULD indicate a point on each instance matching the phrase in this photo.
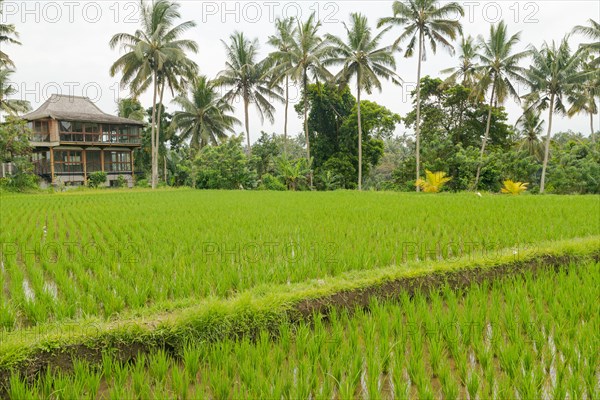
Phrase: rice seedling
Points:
(301, 362)
(98, 254)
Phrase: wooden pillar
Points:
(131, 159)
(52, 164)
(84, 160)
(102, 159)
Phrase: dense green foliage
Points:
(97, 179)
(15, 149)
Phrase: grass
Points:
(522, 337)
(108, 288)
(101, 254)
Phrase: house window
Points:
(65, 126)
(68, 161)
(40, 131)
(118, 161)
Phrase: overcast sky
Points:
(65, 44)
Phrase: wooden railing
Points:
(77, 137)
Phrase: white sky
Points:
(65, 44)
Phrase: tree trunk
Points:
(165, 168)
(485, 136)
(159, 116)
(547, 147)
(359, 135)
(417, 122)
(287, 102)
(246, 122)
(152, 136)
(592, 128)
(305, 81)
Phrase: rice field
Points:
(521, 338)
(68, 256)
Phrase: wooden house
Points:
(71, 138)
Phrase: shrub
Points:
(270, 182)
(96, 179)
(514, 188)
(23, 179)
(142, 182)
(121, 181)
(224, 167)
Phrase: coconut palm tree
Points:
(281, 61)
(531, 125)
(466, 71)
(10, 106)
(8, 34)
(307, 54)
(205, 117)
(553, 75)
(150, 56)
(583, 98)
(592, 32)
(499, 70)
(248, 79)
(362, 58)
(424, 21)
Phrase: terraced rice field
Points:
(222, 295)
(67, 256)
(520, 338)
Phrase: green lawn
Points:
(69, 255)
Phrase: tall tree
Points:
(499, 69)
(10, 106)
(281, 60)
(248, 79)
(583, 97)
(465, 72)
(8, 34)
(424, 21)
(531, 125)
(148, 54)
(307, 54)
(553, 75)
(362, 58)
(205, 117)
(592, 32)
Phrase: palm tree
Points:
(151, 56)
(424, 20)
(498, 68)
(10, 106)
(583, 98)
(306, 56)
(205, 117)
(466, 70)
(282, 41)
(248, 79)
(531, 126)
(552, 76)
(593, 32)
(363, 59)
(8, 34)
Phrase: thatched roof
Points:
(73, 108)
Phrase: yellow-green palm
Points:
(433, 182)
